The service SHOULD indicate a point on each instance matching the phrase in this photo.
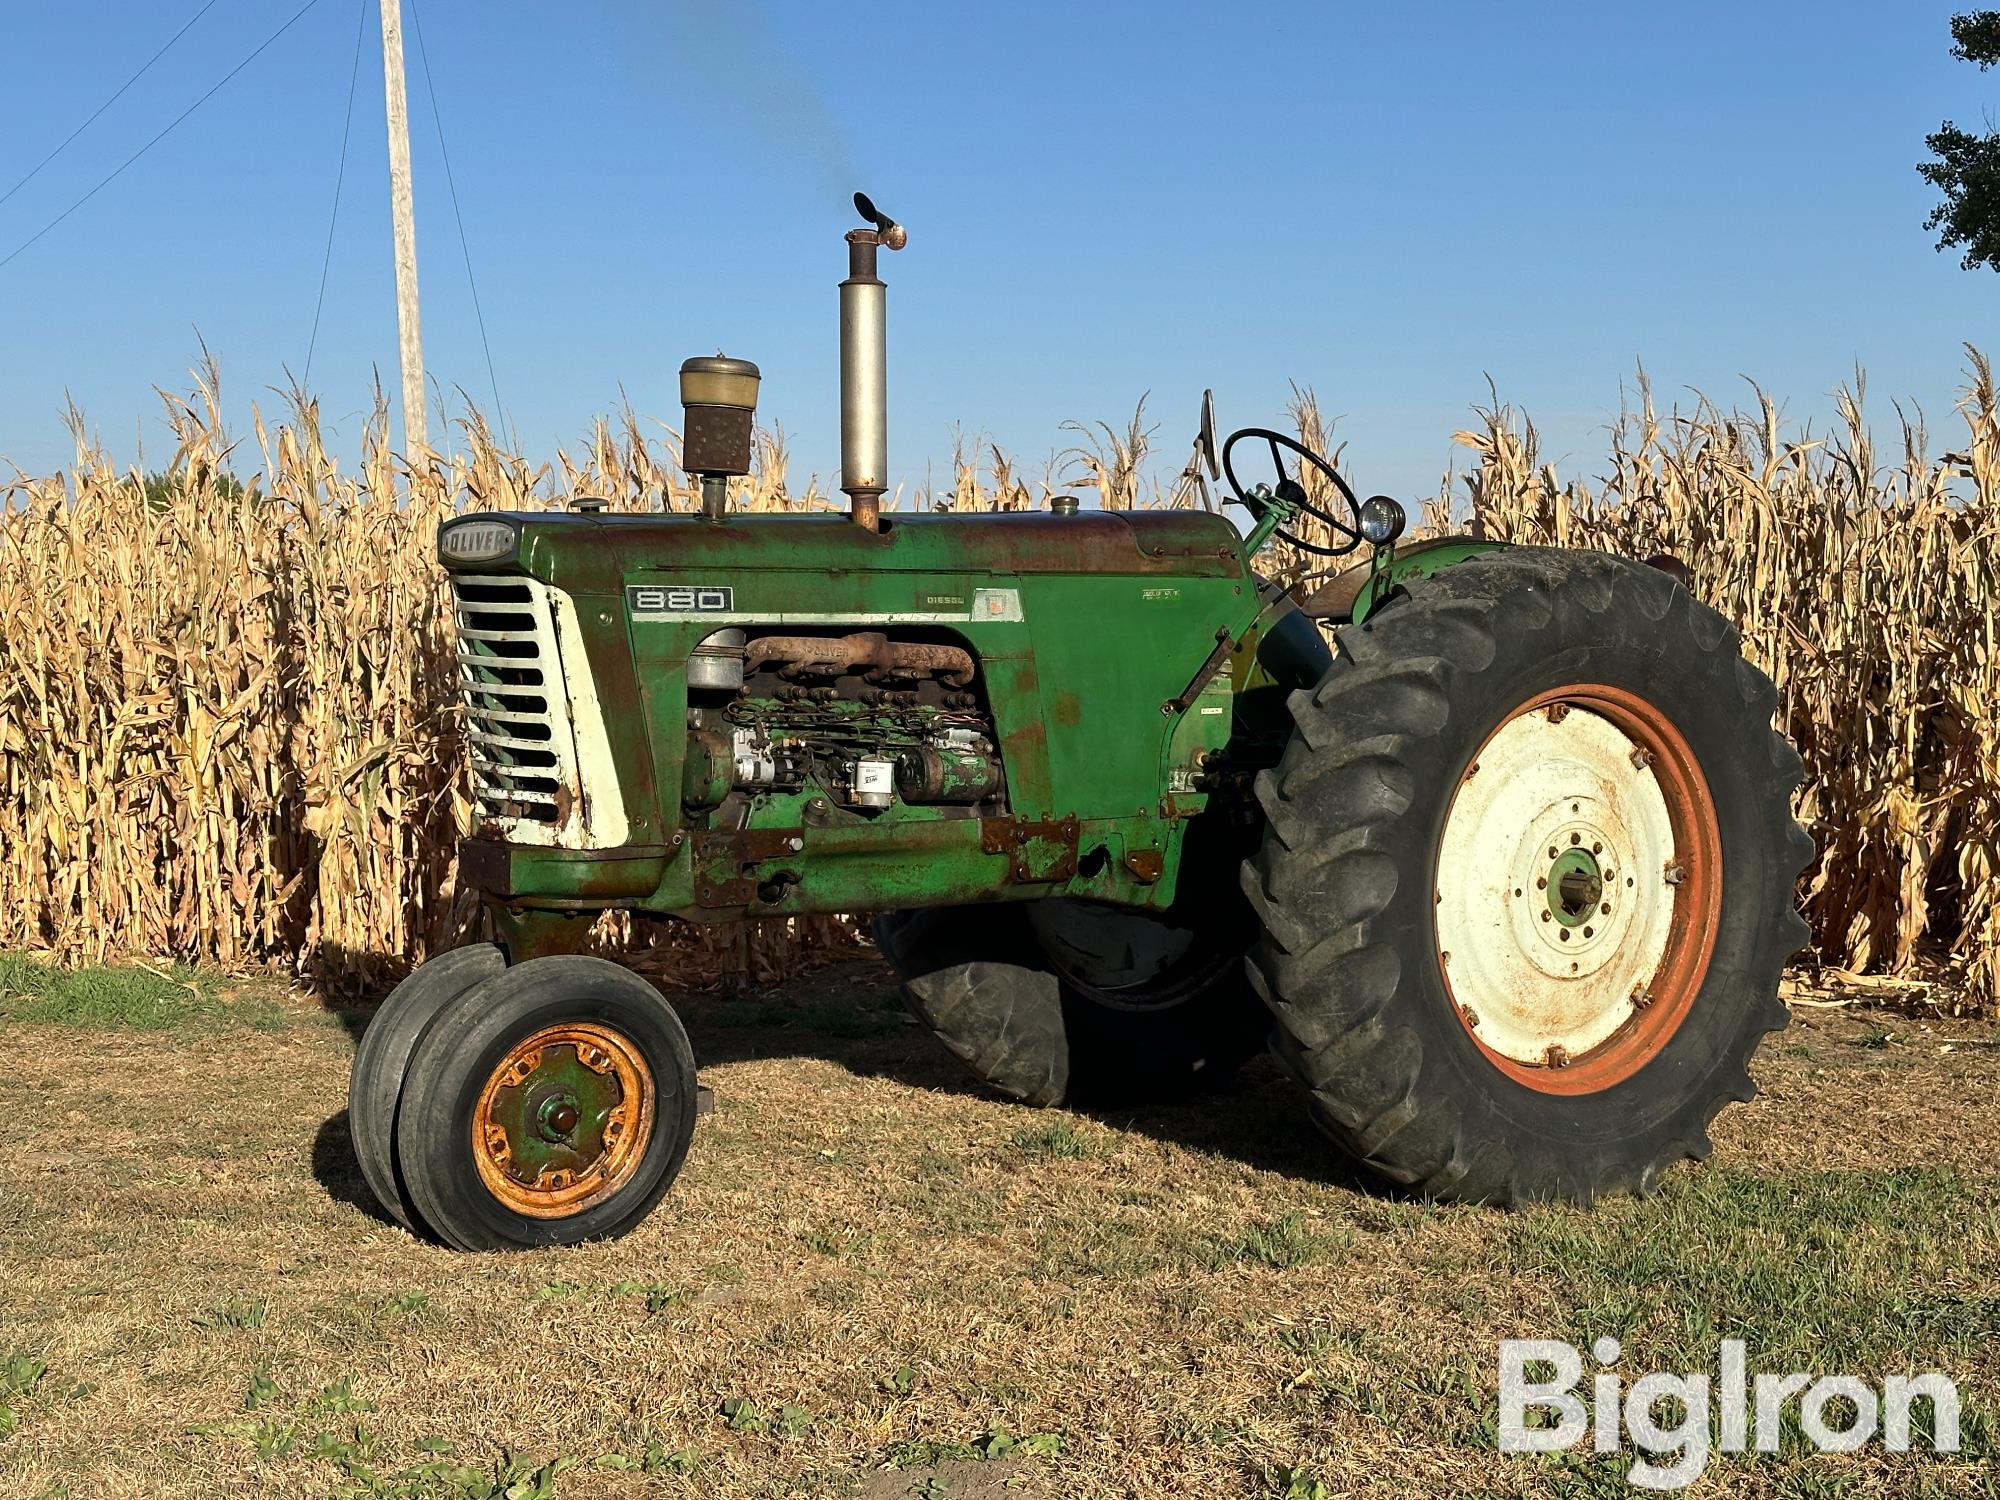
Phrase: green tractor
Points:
(1505, 877)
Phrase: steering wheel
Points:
(1295, 492)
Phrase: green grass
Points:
(1056, 1137)
(128, 998)
(1835, 1270)
(1281, 1243)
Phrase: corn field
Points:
(228, 731)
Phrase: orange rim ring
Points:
(1697, 919)
(627, 1130)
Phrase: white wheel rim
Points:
(1541, 971)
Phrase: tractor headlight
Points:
(1382, 520)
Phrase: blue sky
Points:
(1388, 203)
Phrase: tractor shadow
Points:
(851, 1015)
(336, 1169)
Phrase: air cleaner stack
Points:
(719, 407)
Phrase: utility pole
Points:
(408, 326)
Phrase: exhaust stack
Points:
(864, 366)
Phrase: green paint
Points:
(1087, 630)
(1390, 571)
(532, 1112)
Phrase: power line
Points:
(326, 261)
(117, 171)
(437, 119)
(36, 169)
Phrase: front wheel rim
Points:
(1578, 889)
(563, 1120)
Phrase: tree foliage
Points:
(1965, 166)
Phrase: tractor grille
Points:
(541, 763)
(516, 709)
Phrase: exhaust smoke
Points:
(731, 57)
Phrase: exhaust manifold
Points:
(868, 652)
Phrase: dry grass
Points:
(226, 729)
(890, 1269)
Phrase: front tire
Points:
(375, 1086)
(548, 1105)
(1526, 887)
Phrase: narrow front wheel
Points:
(548, 1105)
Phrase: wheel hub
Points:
(1558, 910)
(1576, 887)
(563, 1120)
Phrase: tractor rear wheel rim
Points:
(1578, 889)
(563, 1120)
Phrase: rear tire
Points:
(375, 1084)
(1525, 1066)
(549, 1105)
(1012, 992)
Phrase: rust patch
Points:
(726, 863)
(1067, 710)
(866, 651)
(1038, 851)
(1146, 865)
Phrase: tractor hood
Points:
(595, 551)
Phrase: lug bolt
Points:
(1556, 1057)
(1545, 916)
(1596, 848)
(1471, 1015)
(1586, 932)
(1575, 839)
(1641, 758)
(1605, 908)
(1558, 712)
(1676, 873)
(1541, 883)
(1641, 998)
(1472, 770)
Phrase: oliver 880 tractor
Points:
(1503, 873)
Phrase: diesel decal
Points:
(679, 599)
